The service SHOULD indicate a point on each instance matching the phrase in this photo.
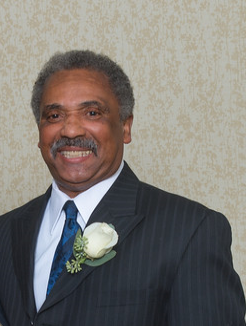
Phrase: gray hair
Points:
(78, 59)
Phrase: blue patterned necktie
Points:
(65, 246)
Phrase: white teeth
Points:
(74, 154)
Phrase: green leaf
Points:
(79, 244)
(100, 261)
(79, 232)
(111, 225)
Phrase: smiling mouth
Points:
(75, 154)
(74, 148)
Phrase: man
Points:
(173, 264)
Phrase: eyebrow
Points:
(95, 103)
(55, 106)
(52, 106)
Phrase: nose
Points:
(73, 126)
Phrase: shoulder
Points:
(166, 200)
(176, 211)
(34, 204)
(169, 207)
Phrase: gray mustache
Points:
(84, 143)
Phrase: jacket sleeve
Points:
(206, 290)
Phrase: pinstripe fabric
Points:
(2, 318)
(173, 265)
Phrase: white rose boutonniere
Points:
(101, 239)
(94, 248)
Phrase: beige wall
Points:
(187, 62)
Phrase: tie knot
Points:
(70, 209)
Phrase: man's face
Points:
(81, 136)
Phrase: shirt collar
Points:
(86, 201)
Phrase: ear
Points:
(127, 127)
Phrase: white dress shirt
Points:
(52, 225)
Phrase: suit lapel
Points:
(24, 234)
(118, 208)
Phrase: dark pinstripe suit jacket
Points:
(173, 265)
(3, 321)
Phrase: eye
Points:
(53, 117)
(93, 113)
(52, 113)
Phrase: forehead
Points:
(83, 80)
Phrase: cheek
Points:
(46, 136)
(42, 140)
(101, 132)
